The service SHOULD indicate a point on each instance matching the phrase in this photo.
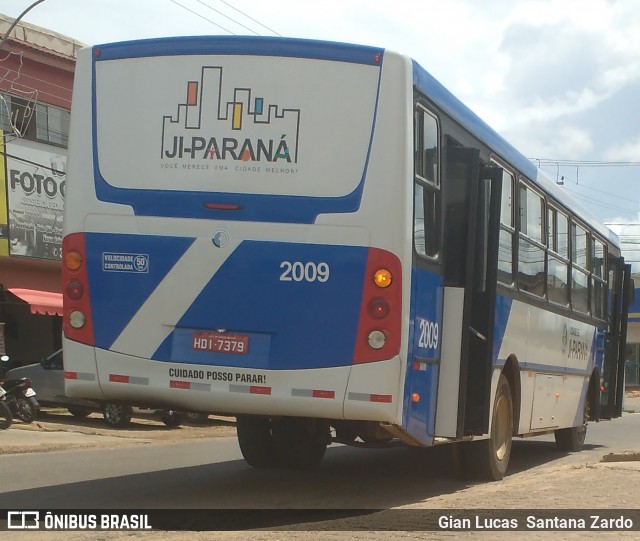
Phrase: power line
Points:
(227, 17)
(235, 21)
(203, 17)
(18, 158)
(601, 204)
(26, 90)
(585, 198)
(20, 75)
(584, 163)
(249, 17)
(585, 187)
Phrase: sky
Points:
(559, 79)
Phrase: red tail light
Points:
(77, 323)
(75, 290)
(380, 310)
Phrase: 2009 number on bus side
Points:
(304, 272)
(428, 334)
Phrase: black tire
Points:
(172, 418)
(117, 415)
(572, 439)
(488, 459)
(26, 410)
(300, 443)
(79, 411)
(256, 441)
(6, 417)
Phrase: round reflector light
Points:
(77, 319)
(377, 339)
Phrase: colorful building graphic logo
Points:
(215, 123)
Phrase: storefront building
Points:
(36, 79)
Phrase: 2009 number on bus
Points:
(297, 271)
(429, 332)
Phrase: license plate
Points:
(29, 392)
(220, 342)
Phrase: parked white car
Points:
(47, 378)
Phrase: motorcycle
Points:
(6, 417)
(19, 397)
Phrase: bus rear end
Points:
(225, 245)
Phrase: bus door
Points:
(612, 371)
(471, 215)
(421, 384)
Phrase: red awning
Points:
(41, 302)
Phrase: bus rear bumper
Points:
(369, 391)
(80, 371)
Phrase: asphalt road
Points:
(210, 473)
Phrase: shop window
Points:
(52, 124)
(34, 121)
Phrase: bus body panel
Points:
(279, 294)
(362, 392)
(557, 356)
(239, 204)
(226, 137)
(449, 383)
(423, 364)
(266, 281)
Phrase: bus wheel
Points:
(488, 459)
(572, 439)
(300, 443)
(256, 441)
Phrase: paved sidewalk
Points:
(631, 401)
(37, 438)
(55, 431)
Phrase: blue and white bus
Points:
(322, 241)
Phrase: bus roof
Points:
(359, 54)
(238, 45)
(442, 97)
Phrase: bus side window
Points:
(580, 269)
(426, 147)
(531, 248)
(558, 264)
(427, 215)
(505, 251)
(599, 276)
(426, 222)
